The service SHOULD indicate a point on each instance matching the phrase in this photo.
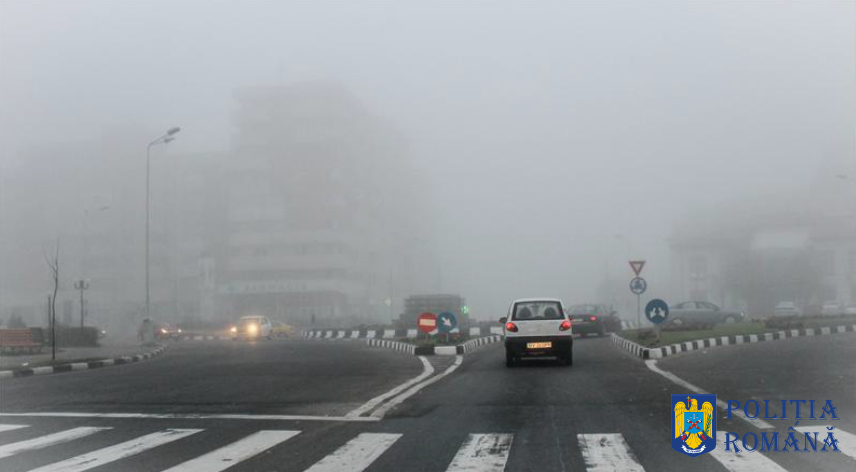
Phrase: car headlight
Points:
(253, 329)
(163, 330)
(233, 329)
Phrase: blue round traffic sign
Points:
(446, 322)
(656, 311)
(638, 285)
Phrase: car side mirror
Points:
(503, 320)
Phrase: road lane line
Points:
(846, 441)
(10, 427)
(383, 409)
(743, 461)
(119, 451)
(357, 454)
(238, 451)
(189, 416)
(48, 440)
(607, 452)
(758, 423)
(482, 453)
(427, 370)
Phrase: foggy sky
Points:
(544, 129)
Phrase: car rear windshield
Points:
(584, 310)
(537, 311)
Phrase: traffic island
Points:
(658, 352)
(80, 364)
(431, 350)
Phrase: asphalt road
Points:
(319, 406)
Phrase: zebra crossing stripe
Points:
(607, 452)
(119, 451)
(743, 461)
(238, 451)
(10, 427)
(357, 454)
(49, 440)
(482, 453)
(846, 441)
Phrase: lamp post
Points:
(163, 139)
(82, 284)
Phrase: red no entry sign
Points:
(427, 322)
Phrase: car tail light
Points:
(566, 325)
(592, 318)
(511, 327)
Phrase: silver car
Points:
(702, 312)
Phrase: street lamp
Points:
(163, 139)
(82, 284)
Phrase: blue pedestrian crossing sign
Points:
(446, 322)
(638, 285)
(656, 311)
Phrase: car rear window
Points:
(584, 310)
(537, 311)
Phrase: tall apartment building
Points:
(321, 219)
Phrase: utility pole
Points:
(81, 285)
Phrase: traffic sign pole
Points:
(638, 312)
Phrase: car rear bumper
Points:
(559, 346)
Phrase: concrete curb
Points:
(412, 349)
(689, 346)
(57, 369)
(386, 333)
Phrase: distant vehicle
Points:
(850, 310)
(593, 318)
(702, 312)
(787, 309)
(832, 309)
(252, 327)
(537, 328)
(281, 330)
(167, 331)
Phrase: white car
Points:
(787, 309)
(252, 327)
(831, 309)
(537, 327)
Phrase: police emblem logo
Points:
(694, 424)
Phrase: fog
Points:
(541, 145)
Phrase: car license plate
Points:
(579, 320)
(545, 345)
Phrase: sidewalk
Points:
(107, 350)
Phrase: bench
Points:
(19, 340)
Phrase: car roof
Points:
(544, 299)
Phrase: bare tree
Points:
(53, 265)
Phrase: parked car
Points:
(537, 328)
(593, 319)
(252, 327)
(832, 309)
(787, 309)
(702, 312)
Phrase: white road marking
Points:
(846, 441)
(427, 370)
(482, 453)
(48, 440)
(10, 427)
(190, 416)
(412, 390)
(607, 452)
(357, 454)
(231, 454)
(119, 451)
(742, 461)
(758, 423)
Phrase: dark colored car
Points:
(693, 312)
(593, 319)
